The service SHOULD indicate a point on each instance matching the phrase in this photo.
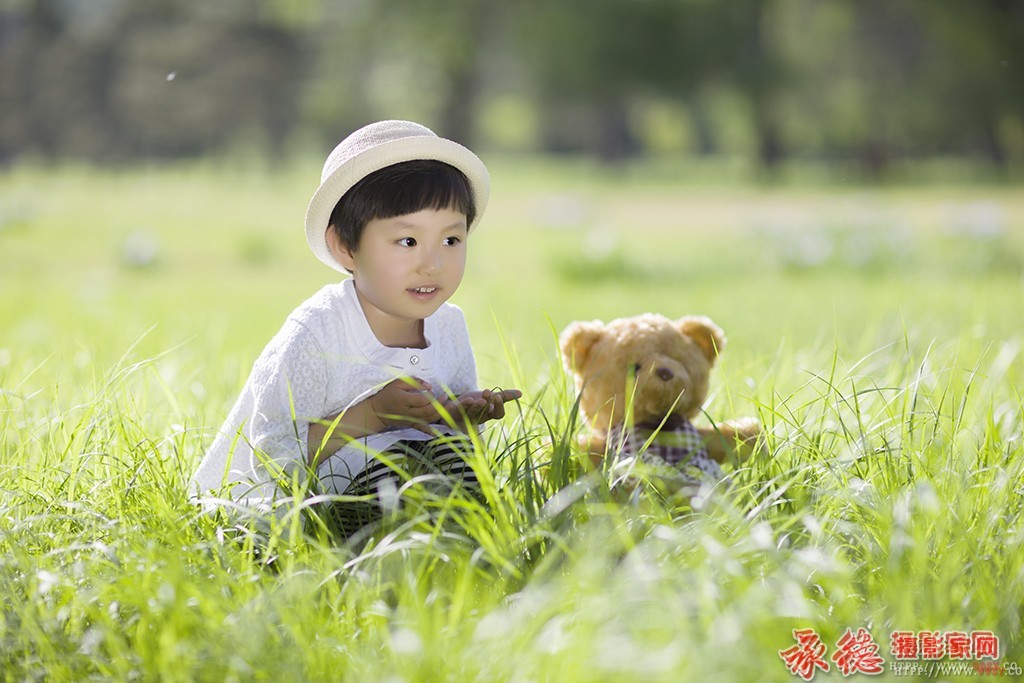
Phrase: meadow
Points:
(874, 330)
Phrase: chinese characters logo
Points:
(914, 653)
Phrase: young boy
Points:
(359, 380)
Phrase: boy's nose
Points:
(430, 261)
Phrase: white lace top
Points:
(324, 359)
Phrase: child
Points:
(359, 380)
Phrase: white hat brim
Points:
(411, 148)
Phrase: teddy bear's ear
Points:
(577, 340)
(707, 335)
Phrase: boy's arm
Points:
(404, 402)
(326, 437)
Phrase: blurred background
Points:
(812, 174)
(872, 86)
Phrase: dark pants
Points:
(438, 466)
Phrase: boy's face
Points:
(405, 267)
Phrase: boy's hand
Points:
(405, 402)
(477, 407)
(409, 402)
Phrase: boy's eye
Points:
(407, 242)
(451, 241)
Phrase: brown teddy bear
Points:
(641, 381)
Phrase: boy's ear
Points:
(339, 250)
(705, 333)
(576, 342)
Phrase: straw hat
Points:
(372, 148)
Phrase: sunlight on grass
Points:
(890, 497)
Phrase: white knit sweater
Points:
(324, 359)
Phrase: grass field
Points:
(875, 331)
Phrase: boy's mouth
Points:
(424, 294)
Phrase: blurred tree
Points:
(337, 94)
(115, 79)
(450, 38)
(594, 58)
(38, 45)
(983, 44)
(190, 82)
(871, 81)
(424, 60)
(758, 73)
(883, 81)
(591, 58)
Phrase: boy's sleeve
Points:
(289, 391)
(464, 377)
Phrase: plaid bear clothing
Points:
(677, 445)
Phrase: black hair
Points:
(405, 187)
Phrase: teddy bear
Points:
(641, 381)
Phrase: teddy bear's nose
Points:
(664, 374)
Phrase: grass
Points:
(874, 331)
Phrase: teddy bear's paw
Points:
(748, 435)
(593, 447)
(744, 428)
(735, 440)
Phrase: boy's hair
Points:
(396, 190)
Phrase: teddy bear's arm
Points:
(595, 446)
(734, 439)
